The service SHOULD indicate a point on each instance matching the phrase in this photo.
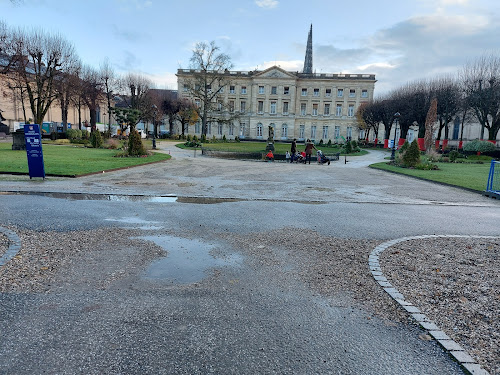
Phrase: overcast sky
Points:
(399, 41)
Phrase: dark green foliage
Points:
(454, 155)
(96, 139)
(479, 146)
(411, 157)
(188, 138)
(73, 134)
(320, 142)
(135, 146)
(348, 148)
(404, 147)
(224, 138)
(214, 139)
(354, 145)
(195, 138)
(237, 139)
(192, 144)
(203, 138)
(426, 166)
(329, 144)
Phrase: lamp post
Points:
(393, 153)
(155, 113)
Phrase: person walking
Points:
(293, 150)
(308, 150)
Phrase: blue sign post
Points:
(34, 150)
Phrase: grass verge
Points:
(71, 161)
(469, 176)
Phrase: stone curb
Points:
(453, 348)
(14, 247)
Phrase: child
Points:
(270, 156)
(287, 156)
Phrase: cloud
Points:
(267, 4)
(129, 62)
(129, 35)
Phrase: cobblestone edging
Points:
(14, 247)
(452, 347)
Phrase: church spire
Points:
(308, 61)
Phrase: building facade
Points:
(296, 105)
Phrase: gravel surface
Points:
(4, 244)
(69, 259)
(456, 283)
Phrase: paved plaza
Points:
(200, 265)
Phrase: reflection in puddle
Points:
(187, 261)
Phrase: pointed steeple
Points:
(308, 61)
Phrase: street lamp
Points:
(155, 113)
(393, 153)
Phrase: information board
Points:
(34, 150)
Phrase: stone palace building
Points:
(296, 104)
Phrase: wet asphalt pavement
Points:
(230, 313)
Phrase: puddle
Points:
(188, 261)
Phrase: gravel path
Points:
(4, 244)
(455, 282)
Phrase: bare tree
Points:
(447, 92)
(480, 80)
(91, 92)
(41, 59)
(67, 88)
(110, 86)
(210, 76)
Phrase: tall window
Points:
(350, 111)
(243, 107)
(316, 92)
(315, 109)
(340, 93)
(197, 127)
(349, 133)
(364, 93)
(185, 88)
(328, 92)
(261, 89)
(242, 129)
(209, 127)
(272, 110)
(285, 108)
(337, 132)
(197, 103)
(232, 90)
(304, 92)
(303, 109)
(259, 130)
(313, 132)
(284, 130)
(231, 129)
(243, 89)
(327, 109)
(219, 129)
(361, 134)
(260, 107)
(274, 90)
(352, 93)
(302, 131)
(219, 106)
(325, 132)
(339, 110)
(231, 105)
(286, 90)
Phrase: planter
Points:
(386, 143)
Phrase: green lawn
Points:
(470, 176)
(70, 160)
(280, 148)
